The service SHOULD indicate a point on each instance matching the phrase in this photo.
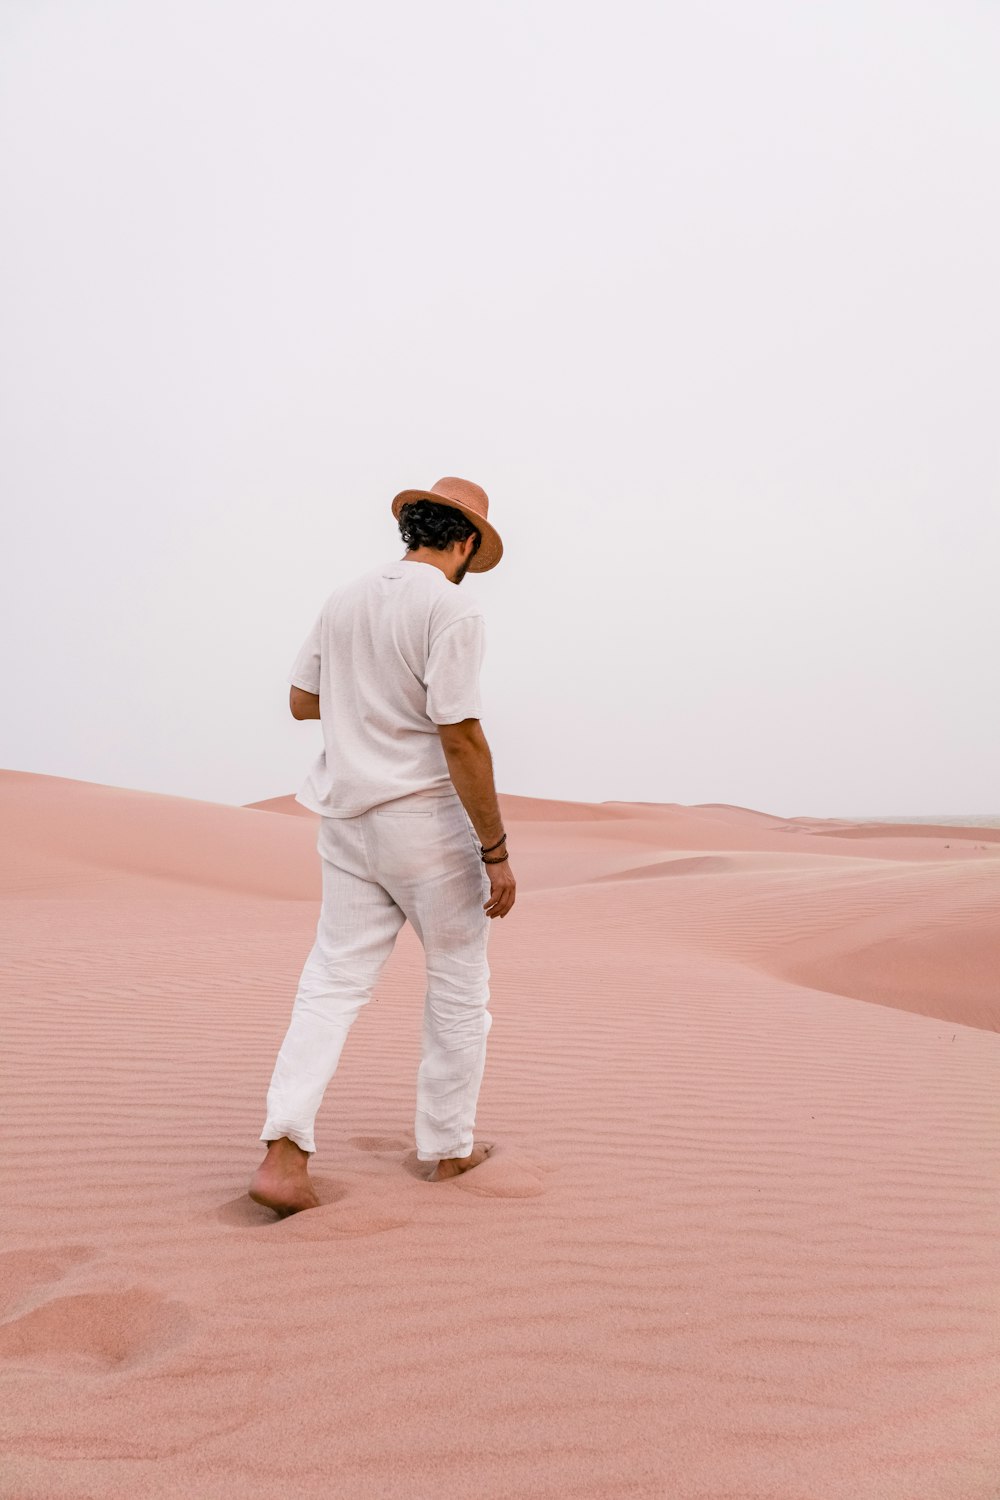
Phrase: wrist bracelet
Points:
(495, 861)
(493, 846)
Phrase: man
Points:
(410, 828)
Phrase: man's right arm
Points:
(470, 766)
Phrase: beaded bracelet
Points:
(493, 846)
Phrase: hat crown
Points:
(462, 492)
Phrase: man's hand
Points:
(303, 705)
(503, 888)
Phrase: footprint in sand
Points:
(352, 1215)
(348, 1207)
(102, 1331)
(499, 1176)
(352, 1208)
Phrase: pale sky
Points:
(705, 296)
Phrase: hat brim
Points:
(490, 548)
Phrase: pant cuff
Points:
(302, 1139)
(445, 1155)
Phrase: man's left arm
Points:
(302, 704)
(302, 699)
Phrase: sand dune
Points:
(739, 1238)
(834, 828)
(76, 838)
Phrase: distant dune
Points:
(738, 1236)
(944, 820)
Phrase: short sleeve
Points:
(304, 671)
(452, 677)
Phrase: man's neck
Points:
(427, 555)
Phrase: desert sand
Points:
(738, 1239)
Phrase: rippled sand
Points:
(739, 1238)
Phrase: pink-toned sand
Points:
(739, 1238)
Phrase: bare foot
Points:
(451, 1166)
(282, 1181)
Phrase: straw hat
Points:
(472, 501)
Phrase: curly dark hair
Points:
(424, 523)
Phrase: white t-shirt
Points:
(391, 655)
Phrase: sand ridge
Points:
(739, 1236)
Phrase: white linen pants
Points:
(414, 858)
